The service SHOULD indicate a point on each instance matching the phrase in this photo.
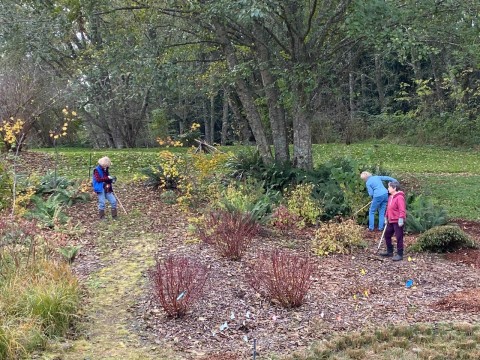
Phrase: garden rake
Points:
(381, 239)
(119, 203)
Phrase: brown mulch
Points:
(464, 301)
(349, 292)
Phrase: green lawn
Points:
(449, 176)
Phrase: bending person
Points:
(379, 195)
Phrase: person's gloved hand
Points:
(400, 222)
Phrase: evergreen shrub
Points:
(442, 239)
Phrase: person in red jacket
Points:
(395, 219)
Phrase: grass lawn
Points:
(447, 175)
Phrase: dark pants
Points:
(393, 228)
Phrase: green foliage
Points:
(66, 191)
(40, 301)
(55, 304)
(154, 175)
(6, 183)
(159, 124)
(302, 204)
(168, 197)
(248, 197)
(442, 239)
(69, 252)
(337, 238)
(423, 214)
(48, 212)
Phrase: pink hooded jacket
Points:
(396, 207)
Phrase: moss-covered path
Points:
(120, 253)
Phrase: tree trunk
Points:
(246, 97)
(212, 120)
(242, 123)
(302, 135)
(276, 112)
(379, 83)
(223, 139)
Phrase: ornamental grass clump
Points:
(282, 277)
(337, 238)
(442, 239)
(178, 284)
(230, 233)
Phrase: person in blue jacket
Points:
(379, 195)
(102, 185)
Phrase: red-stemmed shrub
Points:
(230, 233)
(282, 277)
(284, 220)
(178, 283)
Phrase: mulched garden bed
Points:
(349, 292)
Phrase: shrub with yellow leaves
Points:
(302, 204)
(337, 238)
(62, 129)
(11, 131)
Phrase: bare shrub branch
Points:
(178, 283)
(282, 277)
(230, 233)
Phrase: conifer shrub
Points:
(178, 283)
(442, 239)
(423, 214)
(337, 238)
(230, 233)
(282, 277)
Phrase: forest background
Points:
(270, 72)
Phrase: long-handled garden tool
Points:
(381, 239)
(119, 203)
(363, 207)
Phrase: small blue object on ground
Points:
(409, 283)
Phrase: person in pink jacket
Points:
(395, 219)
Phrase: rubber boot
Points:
(101, 214)
(388, 253)
(399, 256)
(114, 214)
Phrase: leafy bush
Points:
(48, 212)
(338, 238)
(246, 164)
(423, 214)
(283, 220)
(230, 233)
(248, 197)
(154, 175)
(302, 204)
(442, 239)
(282, 277)
(50, 183)
(178, 283)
